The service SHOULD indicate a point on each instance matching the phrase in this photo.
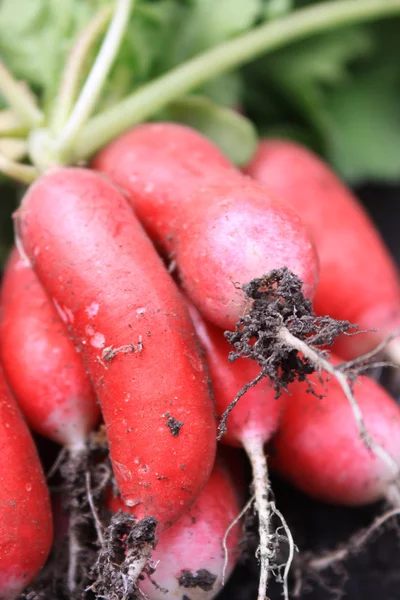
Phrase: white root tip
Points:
(265, 550)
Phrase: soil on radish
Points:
(173, 424)
(202, 579)
(277, 306)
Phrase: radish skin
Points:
(258, 412)
(193, 547)
(358, 278)
(129, 321)
(40, 362)
(318, 447)
(26, 528)
(221, 229)
(250, 425)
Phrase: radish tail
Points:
(255, 452)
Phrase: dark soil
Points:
(202, 579)
(173, 424)
(278, 304)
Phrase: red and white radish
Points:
(190, 557)
(40, 361)
(358, 278)
(220, 227)
(250, 424)
(26, 528)
(128, 319)
(319, 449)
(46, 374)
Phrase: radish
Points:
(25, 516)
(189, 557)
(358, 280)
(41, 364)
(48, 379)
(250, 425)
(220, 228)
(318, 447)
(128, 319)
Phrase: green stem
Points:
(232, 54)
(75, 68)
(13, 148)
(17, 171)
(10, 125)
(20, 99)
(94, 83)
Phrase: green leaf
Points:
(36, 35)
(307, 72)
(296, 89)
(364, 126)
(208, 22)
(231, 132)
(165, 32)
(143, 47)
(204, 24)
(277, 8)
(225, 89)
(346, 86)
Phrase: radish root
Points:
(292, 549)
(96, 520)
(266, 550)
(74, 551)
(281, 332)
(77, 465)
(222, 426)
(321, 363)
(354, 544)
(227, 532)
(73, 463)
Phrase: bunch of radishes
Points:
(92, 317)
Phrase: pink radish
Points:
(42, 366)
(128, 319)
(358, 279)
(318, 447)
(250, 425)
(25, 517)
(189, 556)
(220, 227)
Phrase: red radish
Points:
(25, 517)
(319, 449)
(358, 278)
(220, 227)
(41, 364)
(46, 375)
(189, 556)
(128, 319)
(250, 425)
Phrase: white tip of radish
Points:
(189, 556)
(10, 586)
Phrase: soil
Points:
(173, 424)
